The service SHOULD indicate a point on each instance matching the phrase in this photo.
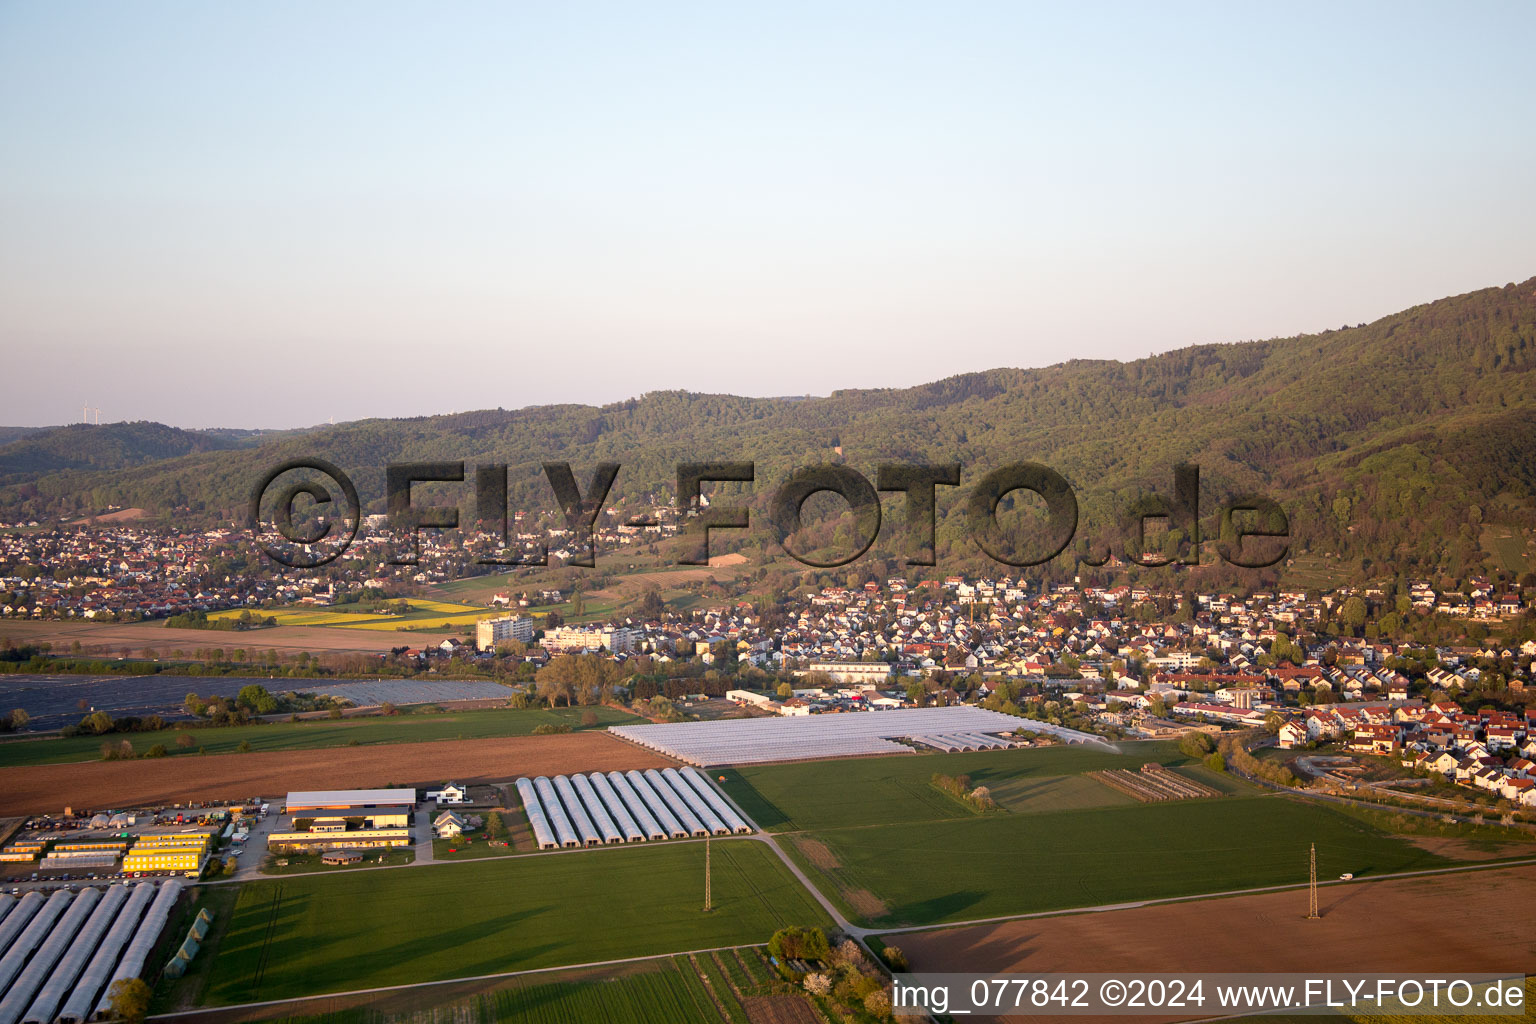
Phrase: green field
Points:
(1508, 549)
(311, 734)
(881, 790)
(890, 849)
(1023, 863)
(364, 929)
(664, 991)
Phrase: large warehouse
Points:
(350, 800)
(380, 808)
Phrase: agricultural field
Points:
(992, 865)
(130, 639)
(815, 795)
(180, 778)
(318, 734)
(1400, 926)
(425, 614)
(330, 933)
(1509, 549)
(1315, 572)
(616, 597)
(729, 986)
(891, 849)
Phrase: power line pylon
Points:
(1312, 914)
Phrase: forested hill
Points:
(81, 446)
(1395, 442)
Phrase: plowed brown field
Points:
(141, 783)
(1402, 926)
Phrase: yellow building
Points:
(185, 859)
(185, 839)
(304, 842)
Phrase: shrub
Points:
(799, 944)
(1196, 744)
(959, 787)
(158, 750)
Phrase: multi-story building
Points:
(490, 632)
(614, 639)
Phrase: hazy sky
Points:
(274, 214)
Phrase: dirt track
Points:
(1468, 922)
(120, 784)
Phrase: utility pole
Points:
(708, 905)
(1312, 914)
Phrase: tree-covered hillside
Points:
(1390, 445)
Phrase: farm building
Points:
(452, 793)
(350, 800)
(308, 842)
(341, 857)
(380, 808)
(202, 839)
(188, 859)
(447, 825)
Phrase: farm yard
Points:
(889, 848)
(320, 733)
(30, 789)
(303, 935)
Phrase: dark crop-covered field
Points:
(392, 927)
(311, 734)
(892, 849)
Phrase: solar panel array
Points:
(571, 811)
(810, 737)
(60, 954)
